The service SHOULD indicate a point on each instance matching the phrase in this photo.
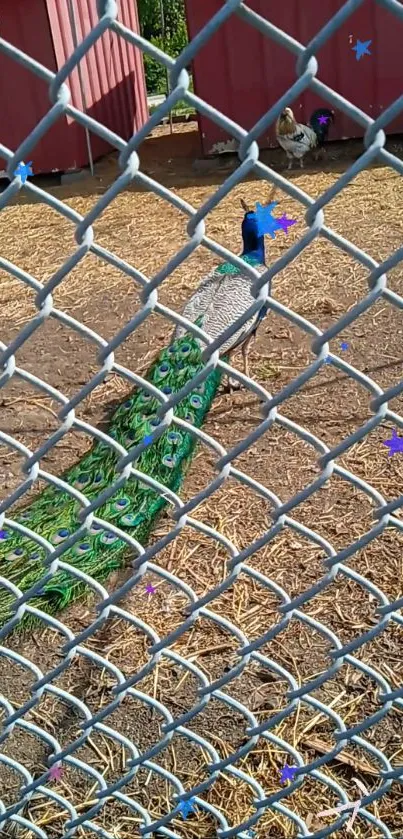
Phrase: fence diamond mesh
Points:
(219, 762)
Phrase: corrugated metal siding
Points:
(241, 72)
(112, 73)
(24, 98)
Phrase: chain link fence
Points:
(385, 513)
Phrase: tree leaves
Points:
(172, 40)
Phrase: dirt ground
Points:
(320, 285)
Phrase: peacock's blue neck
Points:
(255, 255)
(254, 258)
(253, 244)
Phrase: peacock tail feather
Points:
(133, 508)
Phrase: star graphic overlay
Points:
(395, 444)
(323, 120)
(287, 774)
(56, 772)
(344, 345)
(361, 48)
(3, 534)
(23, 170)
(285, 222)
(148, 439)
(268, 208)
(169, 603)
(186, 807)
(150, 589)
(265, 221)
(340, 808)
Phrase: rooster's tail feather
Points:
(321, 128)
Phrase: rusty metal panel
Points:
(112, 73)
(241, 72)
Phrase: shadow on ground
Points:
(176, 160)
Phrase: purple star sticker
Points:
(285, 223)
(150, 589)
(395, 444)
(3, 534)
(323, 120)
(287, 774)
(56, 772)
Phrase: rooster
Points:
(296, 139)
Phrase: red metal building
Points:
(112, 76)
(242, 73)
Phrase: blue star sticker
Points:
(266, 223)
(287, 774)
(344, 345)
(395, 444)
(23, 170)
(148, 439)
(361, 48)
(186, 807)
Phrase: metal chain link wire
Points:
(374, 141)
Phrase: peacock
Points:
(222, 296)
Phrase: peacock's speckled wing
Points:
(221, 299)
(133, 508)
(200, 301)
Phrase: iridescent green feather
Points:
(133, 508)
(229, 268)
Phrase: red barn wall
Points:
(112, 73)
(242, 73)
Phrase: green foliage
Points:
(151, 28)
